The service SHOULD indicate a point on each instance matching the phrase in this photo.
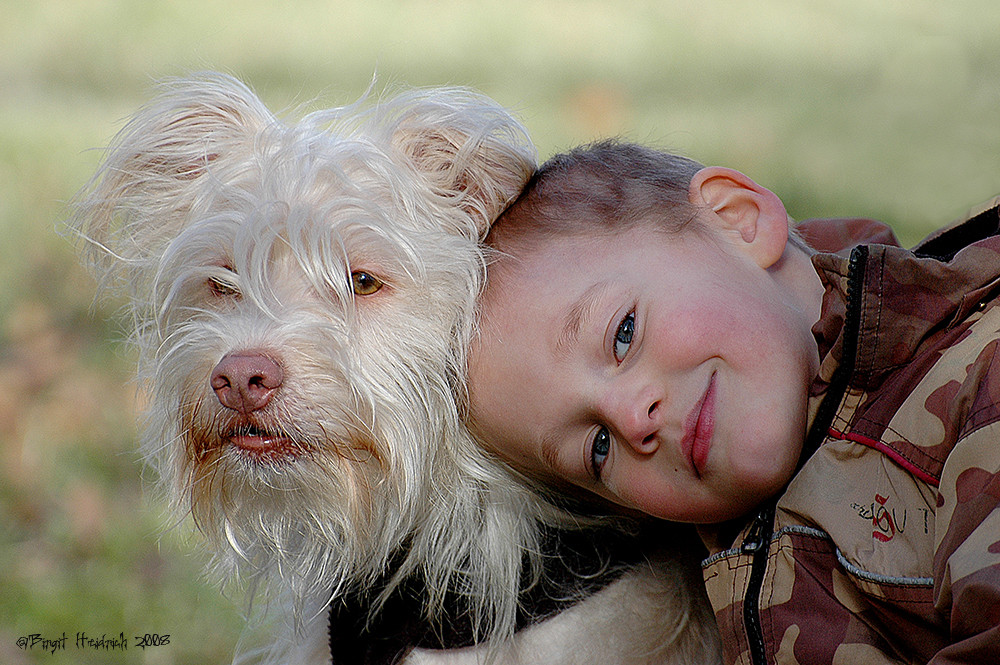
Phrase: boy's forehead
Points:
(530, 270)
(542, 253)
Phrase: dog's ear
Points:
(474, 154)
(154, 171)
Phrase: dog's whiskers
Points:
(231, 539)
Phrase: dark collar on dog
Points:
(578, 564)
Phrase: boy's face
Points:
(668, 374)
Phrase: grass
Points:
(886, 109)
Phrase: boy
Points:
(653, 334)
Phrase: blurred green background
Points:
(888, 109)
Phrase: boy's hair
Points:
(602, 188)
(605, 187)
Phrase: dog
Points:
(301, 296)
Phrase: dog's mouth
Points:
(261, 443)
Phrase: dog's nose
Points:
(246, 381)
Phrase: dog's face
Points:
(302, 297)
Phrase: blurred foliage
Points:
(887, 109)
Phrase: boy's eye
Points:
(623, 336)
(600, 447)
(364, 284)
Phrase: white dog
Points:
(302, 297)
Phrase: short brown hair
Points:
(604, 187)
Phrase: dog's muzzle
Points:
(244, 382)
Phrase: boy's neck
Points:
(797, 277)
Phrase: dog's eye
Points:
(222, 289)
(364, 284)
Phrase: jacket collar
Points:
(905, 295)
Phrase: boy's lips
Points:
(698, 428)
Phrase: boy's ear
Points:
(752, 216)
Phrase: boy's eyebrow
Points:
(550, 451)
(578, 312)
(566, 479)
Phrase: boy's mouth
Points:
(698, 428)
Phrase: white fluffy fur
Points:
(231, 230)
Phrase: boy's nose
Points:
(638, 423)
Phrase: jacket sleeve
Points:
(967, 558)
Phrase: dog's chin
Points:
(284, 508)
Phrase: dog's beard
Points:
(319, 488)
(311, 515)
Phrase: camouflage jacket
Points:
(885, 546)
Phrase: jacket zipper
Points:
(856, 270)
(757, 543)
(758, 540)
